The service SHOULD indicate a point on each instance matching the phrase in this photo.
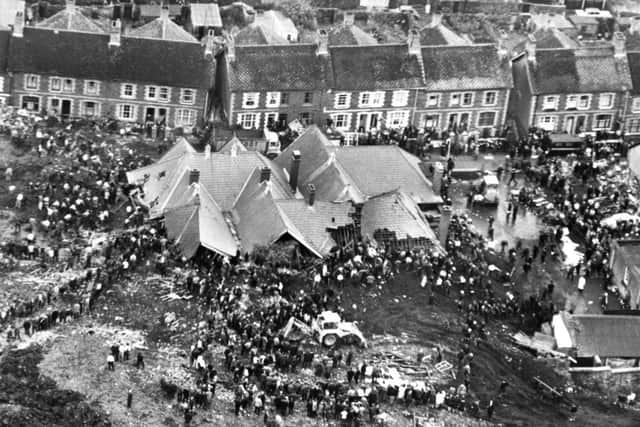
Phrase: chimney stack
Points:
(208, 46)
(323, 43)
(265, 174)
(18, 24)
(530, 47)
(295, 170)
(115, 32)
(231, 48)
(312, 194)
(194, 176)
(207, 151)
(413, 40)
(619, 45)
(70, 5)
(164, 19)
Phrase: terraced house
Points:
(68, 65)
(572, 89)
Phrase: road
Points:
(527, 228)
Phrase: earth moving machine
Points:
(328, 329)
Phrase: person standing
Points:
(110, 362)
(129, 399)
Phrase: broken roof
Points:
(606, 335)
(581, 70)
(395, 212)
(152, 61)
(472, 67)
(388, 66)
(281, 67)
(205, 15)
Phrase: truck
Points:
(328, 329)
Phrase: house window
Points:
(371, 99)
(602, 121)
(606, 101)
(250, 99)
(433, 100)
(31, 81)
(487, 119)
(249, 120)
(635, 105)
(467, 99)
(31, 103)
(583, 102)
(548, 123)
(284, 98)
(91, 87)
(68, 85)
(490, 98)
(341, 121)
(271, 119)
(185, 117)
(572, 102)
(128, 90)
(550, 102)
(397, 119)
(126, 112)
(308, 97)
(55, 84)
(342, 100)
(400, 98)
(455, 99)
(306, 118)
(164, 94)
(187, 96)
(152, 92)
(89, 109)
(273, 99)
(431, 120)
(633, 126)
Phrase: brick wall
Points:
(293, 109)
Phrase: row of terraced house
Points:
(72, 65)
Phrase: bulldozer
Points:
(328, 329)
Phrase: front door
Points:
(150, 114)
(569, 124)
(367, 121)
(65, 108)
(453, 122)
(580, 124)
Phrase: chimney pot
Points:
(312, 194)
(194, 176)
(265, 174)
(295, 170)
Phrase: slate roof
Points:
(205, 15)
(5, 37)
(66, 53)
(231, 145)
(395, 212)
(634, 68)
(553, 39)
(386, 66)
(606, 335)
(473, 67)
(162, 29)
(153, 10)
(281, 67)
(276, 21)
(440, 35)
(256, 34)
(350, 35)
(71, 19)
(314, 147)
(582, 70)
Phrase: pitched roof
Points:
(65, 53)
(199, 221)
(350, 35)
(8, 9)
(5, 37)
(606, 335)
(178, 149)
(232, 145)
(440, 35)
(553, 39)
(472, 67)
(314, 147)
(154, 10)
(581, 70)
(397, 213)
(634, 68)
(282, 67)
(276, 21)
(162, 29)
(71, 19)
(257, 34)
(205, 15)
(375, 67)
